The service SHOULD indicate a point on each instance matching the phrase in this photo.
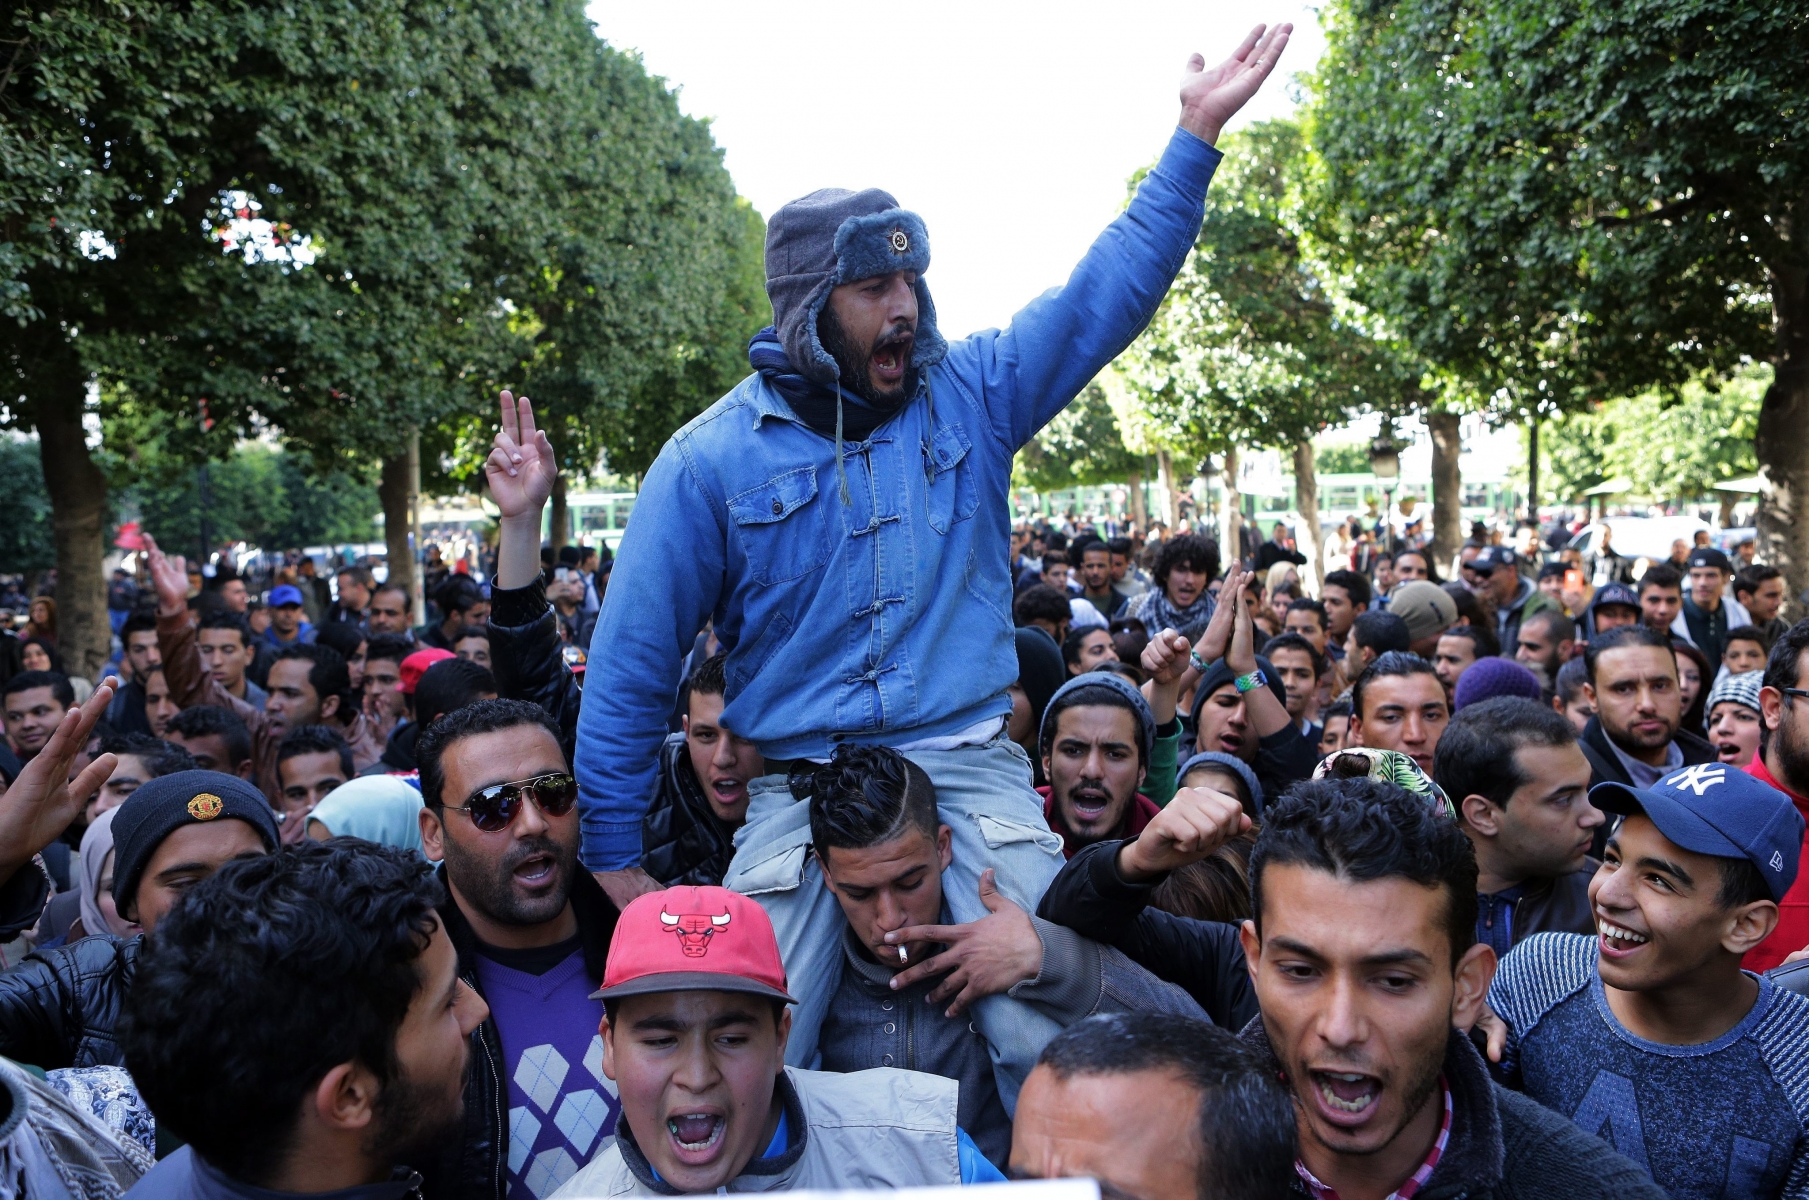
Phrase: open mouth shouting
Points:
(1345, 1097)
(1089, 805)
(696, 1136)
(537, 872)
(890, 358)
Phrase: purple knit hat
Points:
(1492, 677)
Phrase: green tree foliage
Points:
(25, 535)
(1561, 202)
(260, 495)
(1081, 447)
(1344, 458)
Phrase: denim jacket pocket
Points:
(772, 639)
(781, 527)
(953, 496)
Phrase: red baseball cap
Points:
(415, 665)
(693, 939)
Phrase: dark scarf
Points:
(814, 403)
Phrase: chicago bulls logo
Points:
(695, 930)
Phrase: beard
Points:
(414, 1119)
(855, 362)
(1792, 749)
(488, 884)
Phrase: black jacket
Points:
(1605, 765)
(683, 842)
(472, 1166)
(1504, 1146)
(526, 658)
(1204, 958)
(1559, 905)
(60, 1008)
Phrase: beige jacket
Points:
(883, 1128)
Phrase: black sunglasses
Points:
(493, 809)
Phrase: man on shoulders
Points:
(1635, 735)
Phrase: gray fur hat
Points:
(831, 237)
(1133, 697)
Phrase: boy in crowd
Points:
(1399, 703)
(693, 1040)
(1743, 650)
(1735, 718)
(1300, 667)
(689, 833)
(1308, 619)
(36, 702)
(1615, 604)
(1660, 596)
(1635, 736)
(1649, 1034)
(1345, 595)
(1459, 649)
(214, 737)
(1428, 610)
(1708, 612)
(1571, 700)
(1761, 590)
(310, 762)
(385, 704)
(1040, 606)
(1098, 747)
(1155, 1108)
(140, 759)
(224, 640)
(300, 1024)
(1096, 580)
(288, 627)
(1521, 787)
(1335, 735)
(909, 976)
(1373, 634)
(138, 637)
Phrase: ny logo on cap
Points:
(1699, 777)
(1777, 860)
(695, 930)
(901, 242)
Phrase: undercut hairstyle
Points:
(225, 618)
(1396, 664)
(159, 757)
(866, 796)
(327, 674)
(1661, 575)
(1745, 633)
(315, 739)
(1751, 579)
(208, 720)
(1246, 1129)
(388, 647)
(449, 685)
(60, 688)
(710, 678)
(1354, 585)
(486, 716)
(1560, 627)
(1295, 641)
(269, 974)
(1307, 604)
(1381, 632)
(1093, 695)
(1041, 602)
(1360, 830)
(1192, 550)
(1478, 754)
(460, 593)
(1571, 677)
(1619, 638)
(138, 622)
(343, 636)
(1483, 643)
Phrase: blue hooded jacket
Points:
(886, 617)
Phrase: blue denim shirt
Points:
(884, 620)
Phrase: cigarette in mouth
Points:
(902, 956)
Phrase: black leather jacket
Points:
(472, 1166)
(683, 842)
(526, 657)
(60, 1008)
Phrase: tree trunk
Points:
(1139, 510)
(560, 533)
(392, 490)
(1532, 469)
(1781, 445)
(1165, 471)
(1447, 488)
(1231, 520)
(1306, 500)
(78, 515)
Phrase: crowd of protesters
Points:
(853, 839)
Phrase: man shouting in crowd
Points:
(840, 520)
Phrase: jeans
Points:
(985, 797)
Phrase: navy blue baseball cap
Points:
(1492, 558)
(1719, 810)
(1610, 594)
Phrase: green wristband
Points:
(1250, 682)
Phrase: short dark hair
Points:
(865, 796)
(1424, 556)
(1470, 609)
(1098, 544)
(327, 674)
(1381, 631)
(225, 618)
(60, 688)
(460, 593)
(1477, 753)
(1247, 1128)
(393, 587)
(1619, 638)
(1784, 667)
(138, 622)
(1071, 647)
(1561, 627)
(1571, 678)
(449, 685)
(1338, 708)
(268, 975)
(343, 636)
(388, 647)
(1365, 829)
(1751, 579)
(1295, 641)
(1055, 558)
(208, 720)
(1481, 638)
(1395, 664)
(360, 575)
(1661, 575)
(1744, 633)
(159, 757)
(470, 631)
(1189, 550)
(710, 677)
(314, 739)
(1093, 695)
(1354, 585)
(1316, 607)
(1119, 545)
(486, 716)
(1041, 602)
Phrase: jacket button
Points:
(886, 1005)
(891, 1028)
(886, 1061)
(777, 507)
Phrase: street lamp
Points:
(1385, 464)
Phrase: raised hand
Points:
(521, 467)
(982, 958)
(1240, 656)
(43, 800)
(1165, 658)
(1189, 828)
(1209, 98)
(169, 575)
(1217, 638)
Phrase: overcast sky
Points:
(1011, 127)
